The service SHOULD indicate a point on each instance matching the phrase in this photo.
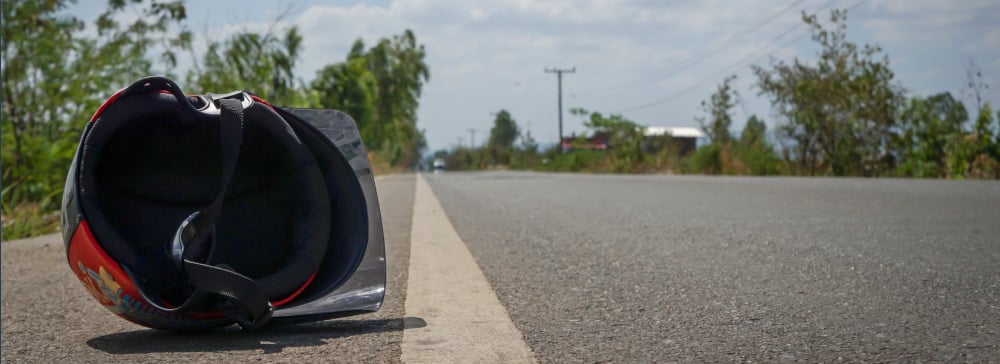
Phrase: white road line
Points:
(466, 323)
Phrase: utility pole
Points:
(472, 142)
(559, 73)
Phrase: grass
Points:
(27, 220)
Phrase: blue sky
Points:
(652, 61)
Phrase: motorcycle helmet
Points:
(192, 212)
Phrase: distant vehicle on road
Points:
(438, 165)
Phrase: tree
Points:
(350, 87)
(984, 129)
(262, 63)
(718, 107)
(504, 131)
(502, 136)
(839, 113)
(716, 157)
(985, 162)
(380, 88)
(400, 73)
(754, 132)
(54, 75)
(753, 150)
(929, 140)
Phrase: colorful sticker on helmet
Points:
(111, 286)
(104, 287)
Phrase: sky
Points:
(648, 60)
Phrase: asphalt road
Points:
(595, 268)
(599, 268)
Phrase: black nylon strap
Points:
(240, 291)
(193, 240)
(198, 232)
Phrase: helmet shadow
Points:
(269, 341)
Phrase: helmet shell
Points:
(351, 274)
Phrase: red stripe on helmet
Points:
(105, 105)
(260, 100)
(294, 294)
(112, 99)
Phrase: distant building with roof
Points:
(685, 139)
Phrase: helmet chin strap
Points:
(195, 236)
(197, 231)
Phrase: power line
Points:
(671, 72)
(737, 64)
(698, 84)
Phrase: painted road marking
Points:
(466, 323)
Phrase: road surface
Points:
(598, 268)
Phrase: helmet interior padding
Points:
(149, 162)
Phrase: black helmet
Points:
(192, 212)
